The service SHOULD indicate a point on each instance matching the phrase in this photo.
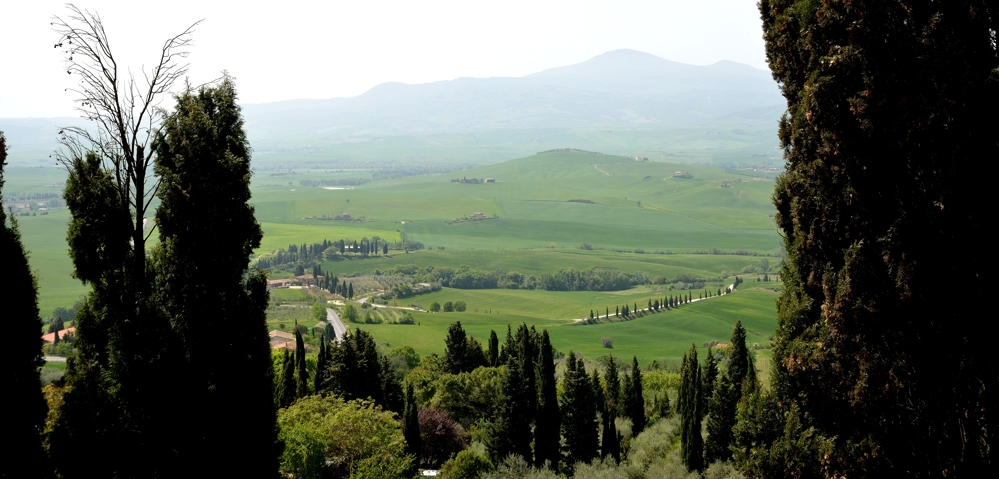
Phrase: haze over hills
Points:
(621, 88)
(622, 102)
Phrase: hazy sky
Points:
(302, 49)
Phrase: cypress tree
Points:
(301, 376)
(691, 443)
(610, 441)
(613, 381)
(285, 392)
(739, 360)
(579, 414)
(708, 375)
(548, 421)
(411, 427)
(721, 421)
(322, 362)
(22, 398)
(456, 350)
(392, 395)
(492, 358)
(635, 399)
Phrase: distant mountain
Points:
(617, 90)
(622, 88)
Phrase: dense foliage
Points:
(23, 356)
(888, 129)
(147, 332)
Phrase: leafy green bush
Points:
(468, 464)
(316, 429)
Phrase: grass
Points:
(663, 336)
(547, 260)
(634, 204)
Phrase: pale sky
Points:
(292, 49)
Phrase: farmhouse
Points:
(343, 217)
(282, 340)
(278, 283)
(50, 338)
(490, 180)
(678, 173)
(478, 215)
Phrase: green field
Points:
(662, 336)
(631, 210)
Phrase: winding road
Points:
(334, 319)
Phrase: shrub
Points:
(467, 464)
(383, 468)
(515, 467)
(350, 313)
(607, 342)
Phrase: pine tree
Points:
(579, 414)
(635, 399)
(548, 422)
(411, 427)
(22, 398)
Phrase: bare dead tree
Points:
(126, 111)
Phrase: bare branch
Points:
(125, 113)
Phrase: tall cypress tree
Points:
(492, 357)
(635, 398)
(691, 443)
(411, 427)
(613, 381)
(392, 395)
(739, 361)
(22, 399)
(709, 374)
(456, 350)
(301, 374)
(579, 414)
(203, 160)
(721, 420)
(886, 103)
(284, 394)
(548, 421)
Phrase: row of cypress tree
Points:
(707, 391)
(530, 411)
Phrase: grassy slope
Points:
(530, 197)
(663, 336)
(542, 260)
